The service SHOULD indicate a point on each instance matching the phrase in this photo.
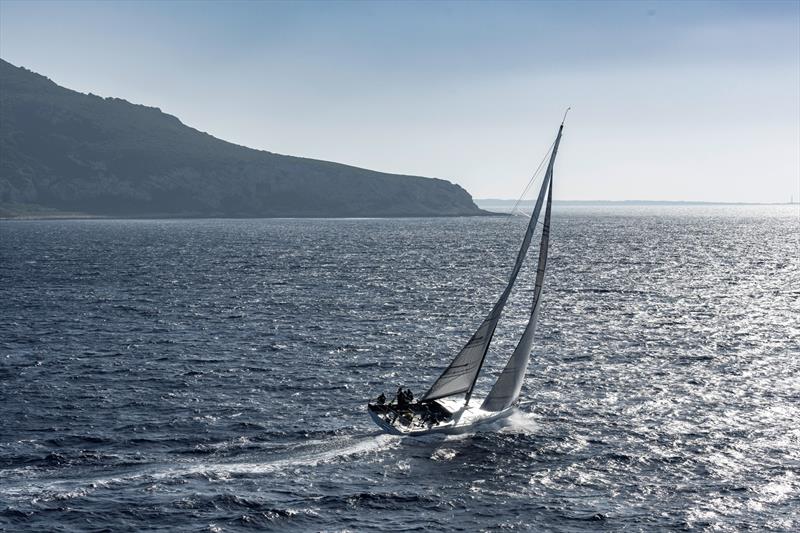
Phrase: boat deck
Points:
(439, 416)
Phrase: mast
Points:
(462, 373)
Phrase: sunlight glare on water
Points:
(212, 374)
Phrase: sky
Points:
(670, 100)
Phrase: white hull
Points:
(462, 422)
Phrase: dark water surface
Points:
(211, 375)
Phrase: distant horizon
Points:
(510, 201)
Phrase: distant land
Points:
(501, 204)
(65, 153)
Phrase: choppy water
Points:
(212, 374)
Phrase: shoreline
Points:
(156, 216)
(487, 210)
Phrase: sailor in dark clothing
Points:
(381, 399)
(401, 398)
(409, 396)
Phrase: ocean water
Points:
(212, 375)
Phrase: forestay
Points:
(460, 376)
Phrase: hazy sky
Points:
(671, 100)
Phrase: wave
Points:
(519, 422)
(309, 454)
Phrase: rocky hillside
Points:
(64, 151)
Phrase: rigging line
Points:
(528, 215)
(521, 196)
(498, 278)
(533, 177)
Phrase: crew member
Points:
(401, 398)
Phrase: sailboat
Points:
(448, 406)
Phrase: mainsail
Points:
(506, 389)
(461, 375)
